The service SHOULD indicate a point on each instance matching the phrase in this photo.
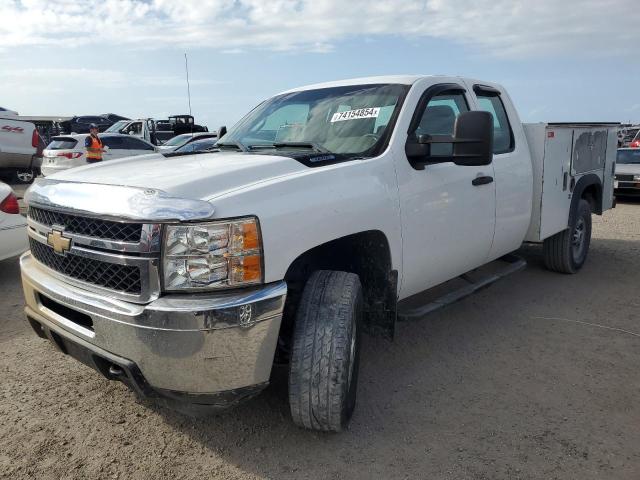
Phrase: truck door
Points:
(512, 169)
(447, 217)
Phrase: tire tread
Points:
(321, 340)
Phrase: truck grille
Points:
(90, 227)
(121, 278)
(624, 178)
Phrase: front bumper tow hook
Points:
(116, 371)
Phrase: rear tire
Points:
(566, 251)
(323, 373)
(24, 176)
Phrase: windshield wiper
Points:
(235, 144)
(308, 145)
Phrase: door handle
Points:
(481, 180)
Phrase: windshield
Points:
(629, 156)
(348, 120)
(116, 127)
(179, 140)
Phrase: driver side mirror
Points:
(472, 142)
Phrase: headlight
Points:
(212, 255)
(636, 178)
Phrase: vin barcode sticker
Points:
(355, 114)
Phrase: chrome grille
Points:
(121, 278)
(90, 227)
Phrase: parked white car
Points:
(68, 151)
(628, 171)
(20, 149)
(13, 226)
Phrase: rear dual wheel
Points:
(25, 175)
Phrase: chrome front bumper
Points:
(182, 345)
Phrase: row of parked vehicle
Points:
(68, 151)
(26, 150)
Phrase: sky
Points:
(561, 60)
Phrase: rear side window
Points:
(62, 143)
(503, 141)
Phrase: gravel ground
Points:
(535, 377)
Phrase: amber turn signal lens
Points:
(246, 269)
(251, 241)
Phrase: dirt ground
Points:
(535, 377)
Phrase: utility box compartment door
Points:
(556, 190)
(589, 150)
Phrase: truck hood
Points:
(202, 176)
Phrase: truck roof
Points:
(401, 79)
(398, 79)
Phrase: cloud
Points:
(102, 78)
(508, 28)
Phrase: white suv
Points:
(68, 151)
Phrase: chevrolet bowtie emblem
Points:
(60, 244)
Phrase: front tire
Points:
(323, 373)
(566, 251)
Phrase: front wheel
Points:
(323, 373)
(566, 251)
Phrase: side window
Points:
(132, 143)
(439, 118)
(135, 128)
(189, 147)
(114, 143)
(502, 134)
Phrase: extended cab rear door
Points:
(511, 166)
(447, 218)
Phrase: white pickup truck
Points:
(20, 149)
(326, 209)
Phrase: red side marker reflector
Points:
(551, 134)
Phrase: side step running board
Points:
(513, 263)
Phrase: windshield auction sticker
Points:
(356, 114)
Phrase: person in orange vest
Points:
(94, 145)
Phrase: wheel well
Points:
(593, 194)
(368, 255)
